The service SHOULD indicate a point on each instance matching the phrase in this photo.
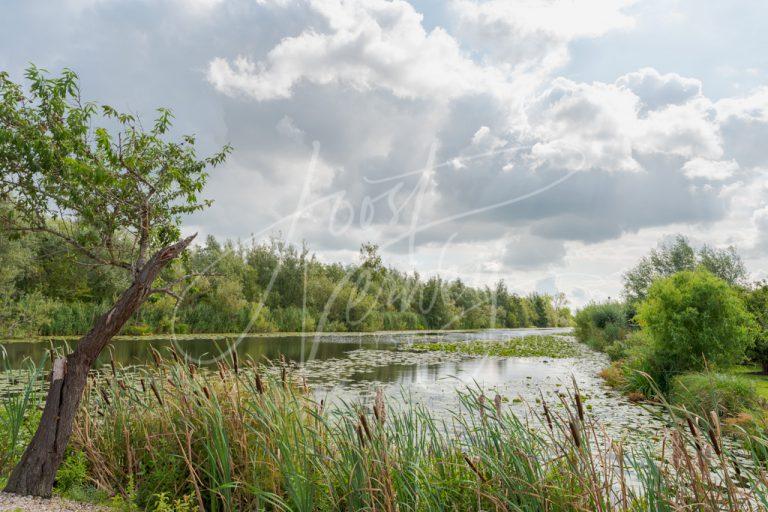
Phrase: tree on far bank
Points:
(115, 194)
(677, 255)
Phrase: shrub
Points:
(402, 321)
(693, 319)
(137, 330)
(756, 301)
(700, 393)
(73, 472)
(599, 325)
(614, 375)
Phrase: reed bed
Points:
(251, 437)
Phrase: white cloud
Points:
(527, 33)
(604, 126)
(710, 169)
(368, 44)
(656, 90)
(751, 107)
(760, 222)
(584, 126)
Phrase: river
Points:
(351, 367)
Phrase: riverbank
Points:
(196, 435)
(235, 336)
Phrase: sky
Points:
(549, 143)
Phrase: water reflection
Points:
(351, 367)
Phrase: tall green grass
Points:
(245, 437)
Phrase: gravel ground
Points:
(13, 502)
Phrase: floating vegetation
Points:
(524, 346)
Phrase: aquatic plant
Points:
(523, 346)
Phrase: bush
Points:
(599, 325)
(73, 471)
(136, 330)
(700, 393)
(694, 320)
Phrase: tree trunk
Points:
(35, 473)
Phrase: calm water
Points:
(353, 367)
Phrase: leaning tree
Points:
(98, 181)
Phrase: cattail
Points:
(192, 369)
(156, 392)
(714, 432)
(175, 355)
(283, 375)
(122, 385)
(577, 399)
(259, 384)
(497, 404)
(379, 411)
(112, 363)
(547, 415)
(474, 468)
(575, 433)
(364, 423)
(105, 396)
(715, 444)
(221, 372)
(206, 392)
(579, 406)
(694, 433)
(234, 361)
(155, 356)
(360, 435)
(143, 385)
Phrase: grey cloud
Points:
(531, 252)
(656, 90)
(140, 55)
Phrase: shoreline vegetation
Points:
(278, 334)
(247, 437)
(259, 288)
(691, 330)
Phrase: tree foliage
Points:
(695, 320)
(756, 300)
(63, 295)
(677, 255)
(114, 192)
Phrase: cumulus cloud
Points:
(529, 165)
(534, 34)
(603, 126)
(367, 44)
(710, 169)
(656, 90)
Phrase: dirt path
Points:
(12, 502)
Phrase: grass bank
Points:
(248, 438)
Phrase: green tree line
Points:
(47, 288)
